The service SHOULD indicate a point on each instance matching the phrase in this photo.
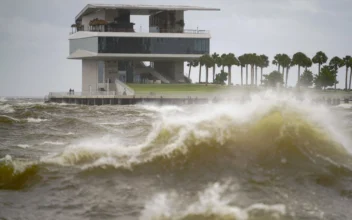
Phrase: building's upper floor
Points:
(117, 18)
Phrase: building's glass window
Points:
(101, 71)
(148, 45)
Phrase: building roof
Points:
(141, 9)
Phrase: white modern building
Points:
(113, 54)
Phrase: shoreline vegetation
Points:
(252, 65)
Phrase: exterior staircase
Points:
(123, 89)
(142, 68)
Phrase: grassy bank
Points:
(178, 89)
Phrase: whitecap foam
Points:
(6, 108)
(36, 120)
(53, 143)
(163, 109)
(216, 200)
(24, 146)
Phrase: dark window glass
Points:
(144, 45)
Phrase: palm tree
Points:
(246, 62)
(200, 63)
(209, 63)
(277, 61)
(216, 59)
(222, 60)
(350, 66)
(336, 63)
(264, 63)
(191, 64)
(257, 63)
(285, 63)
(242, 61)
(346, 63)
(252, 61)
(307, 63)
(230, 60)
(320, 58)
(299, 59)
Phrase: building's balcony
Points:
(129, 28)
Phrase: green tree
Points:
(216, 59)
(277, 61)
(191, 64)
(306, 78)
(273, 79)
(336, 63)
(230, 60)
(299, 59)
(349, 65)
(200, 64)
(320, 58)
(257, 63)
(326, 78)
(264, 63)
(242, 62)
(223, 56)
(252, 60)
(209, 63)
(246, 63)
(307, 63)
(220, 78)
(346, 62)
(285, 63)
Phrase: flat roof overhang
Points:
(141, 9)
(83, 54)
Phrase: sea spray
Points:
(217, 201)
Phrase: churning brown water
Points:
(273, 157)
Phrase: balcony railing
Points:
(129, 30)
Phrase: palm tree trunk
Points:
(213, 73)
(200, 72)
(241, 75)
(189, 71)
(247, 74)
(349, 87)
(256, 75)
(252, 74)
(318, 69)
(346, 77)
(206, 75)
(278, 67)
(287, 68)
(261, 75)
(299, 75)
(230, 78)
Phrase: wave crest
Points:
(16, 175)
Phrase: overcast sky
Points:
(34, 36)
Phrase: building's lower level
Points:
(113, 74)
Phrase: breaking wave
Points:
(6, 109)
(270, 131)
(4, 119)
(215, 202)
(16, 174)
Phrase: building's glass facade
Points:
(152, 45)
